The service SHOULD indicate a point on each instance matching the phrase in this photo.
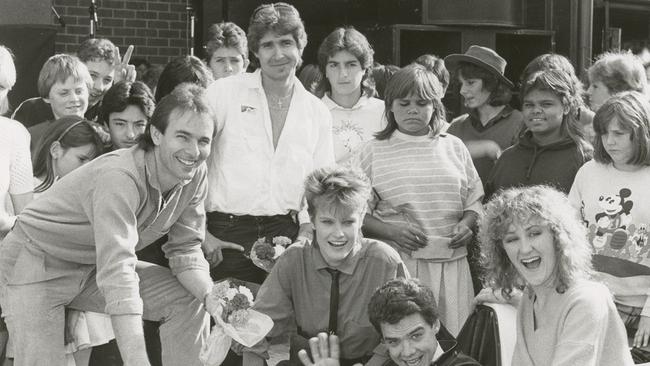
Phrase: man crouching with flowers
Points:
(325, 285)
(75, 245)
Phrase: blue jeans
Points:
(34, 309)
(245, 230)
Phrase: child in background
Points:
(427, 191)
(102, 60)
(553, 147)
(63, 83)
(491, 125)
(226, 50)
(615, 72)
(345, 58)
(125, 111)
(182, 69)
(611, 193)
(68, 144)
(553, 61)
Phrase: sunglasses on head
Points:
(276, 8)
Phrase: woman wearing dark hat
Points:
(491, 124)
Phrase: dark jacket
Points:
(34, 111)
(504, 129)
(450, 357)
(527, 164)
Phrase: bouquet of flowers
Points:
(265, 253)
(229, 302)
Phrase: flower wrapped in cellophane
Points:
(229, 302)
(265, 253)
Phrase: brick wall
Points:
(157, 28)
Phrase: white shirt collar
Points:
(331, 104)
(437, 354)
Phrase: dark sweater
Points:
(34, 111)
(37, 116)
(527, 163)
(450, 357)
(502, 129)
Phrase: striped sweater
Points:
(424, 181)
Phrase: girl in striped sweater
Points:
(427, 193)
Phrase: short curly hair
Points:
(98, 49)
(399, 298)
(619, 71)
(280, 18)
(226, 34)
(519, 205)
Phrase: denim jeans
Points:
(34, 306)
(245, 230)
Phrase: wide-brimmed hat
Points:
(483, 57)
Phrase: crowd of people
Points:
(124, 200)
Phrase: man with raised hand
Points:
(404, 312)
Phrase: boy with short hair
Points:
(102, 60)
(404, 312)
(101, 57)
(125, 111)
(63, 85)
(58, 69)
(226, 50)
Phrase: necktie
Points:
(334, 300)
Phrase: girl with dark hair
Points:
(553, 147)
(427, 194)
(380, 75)
(69, 143)
(611, 193)
(553, 61)
(345, 58)
(491, 125)
(183, 69)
